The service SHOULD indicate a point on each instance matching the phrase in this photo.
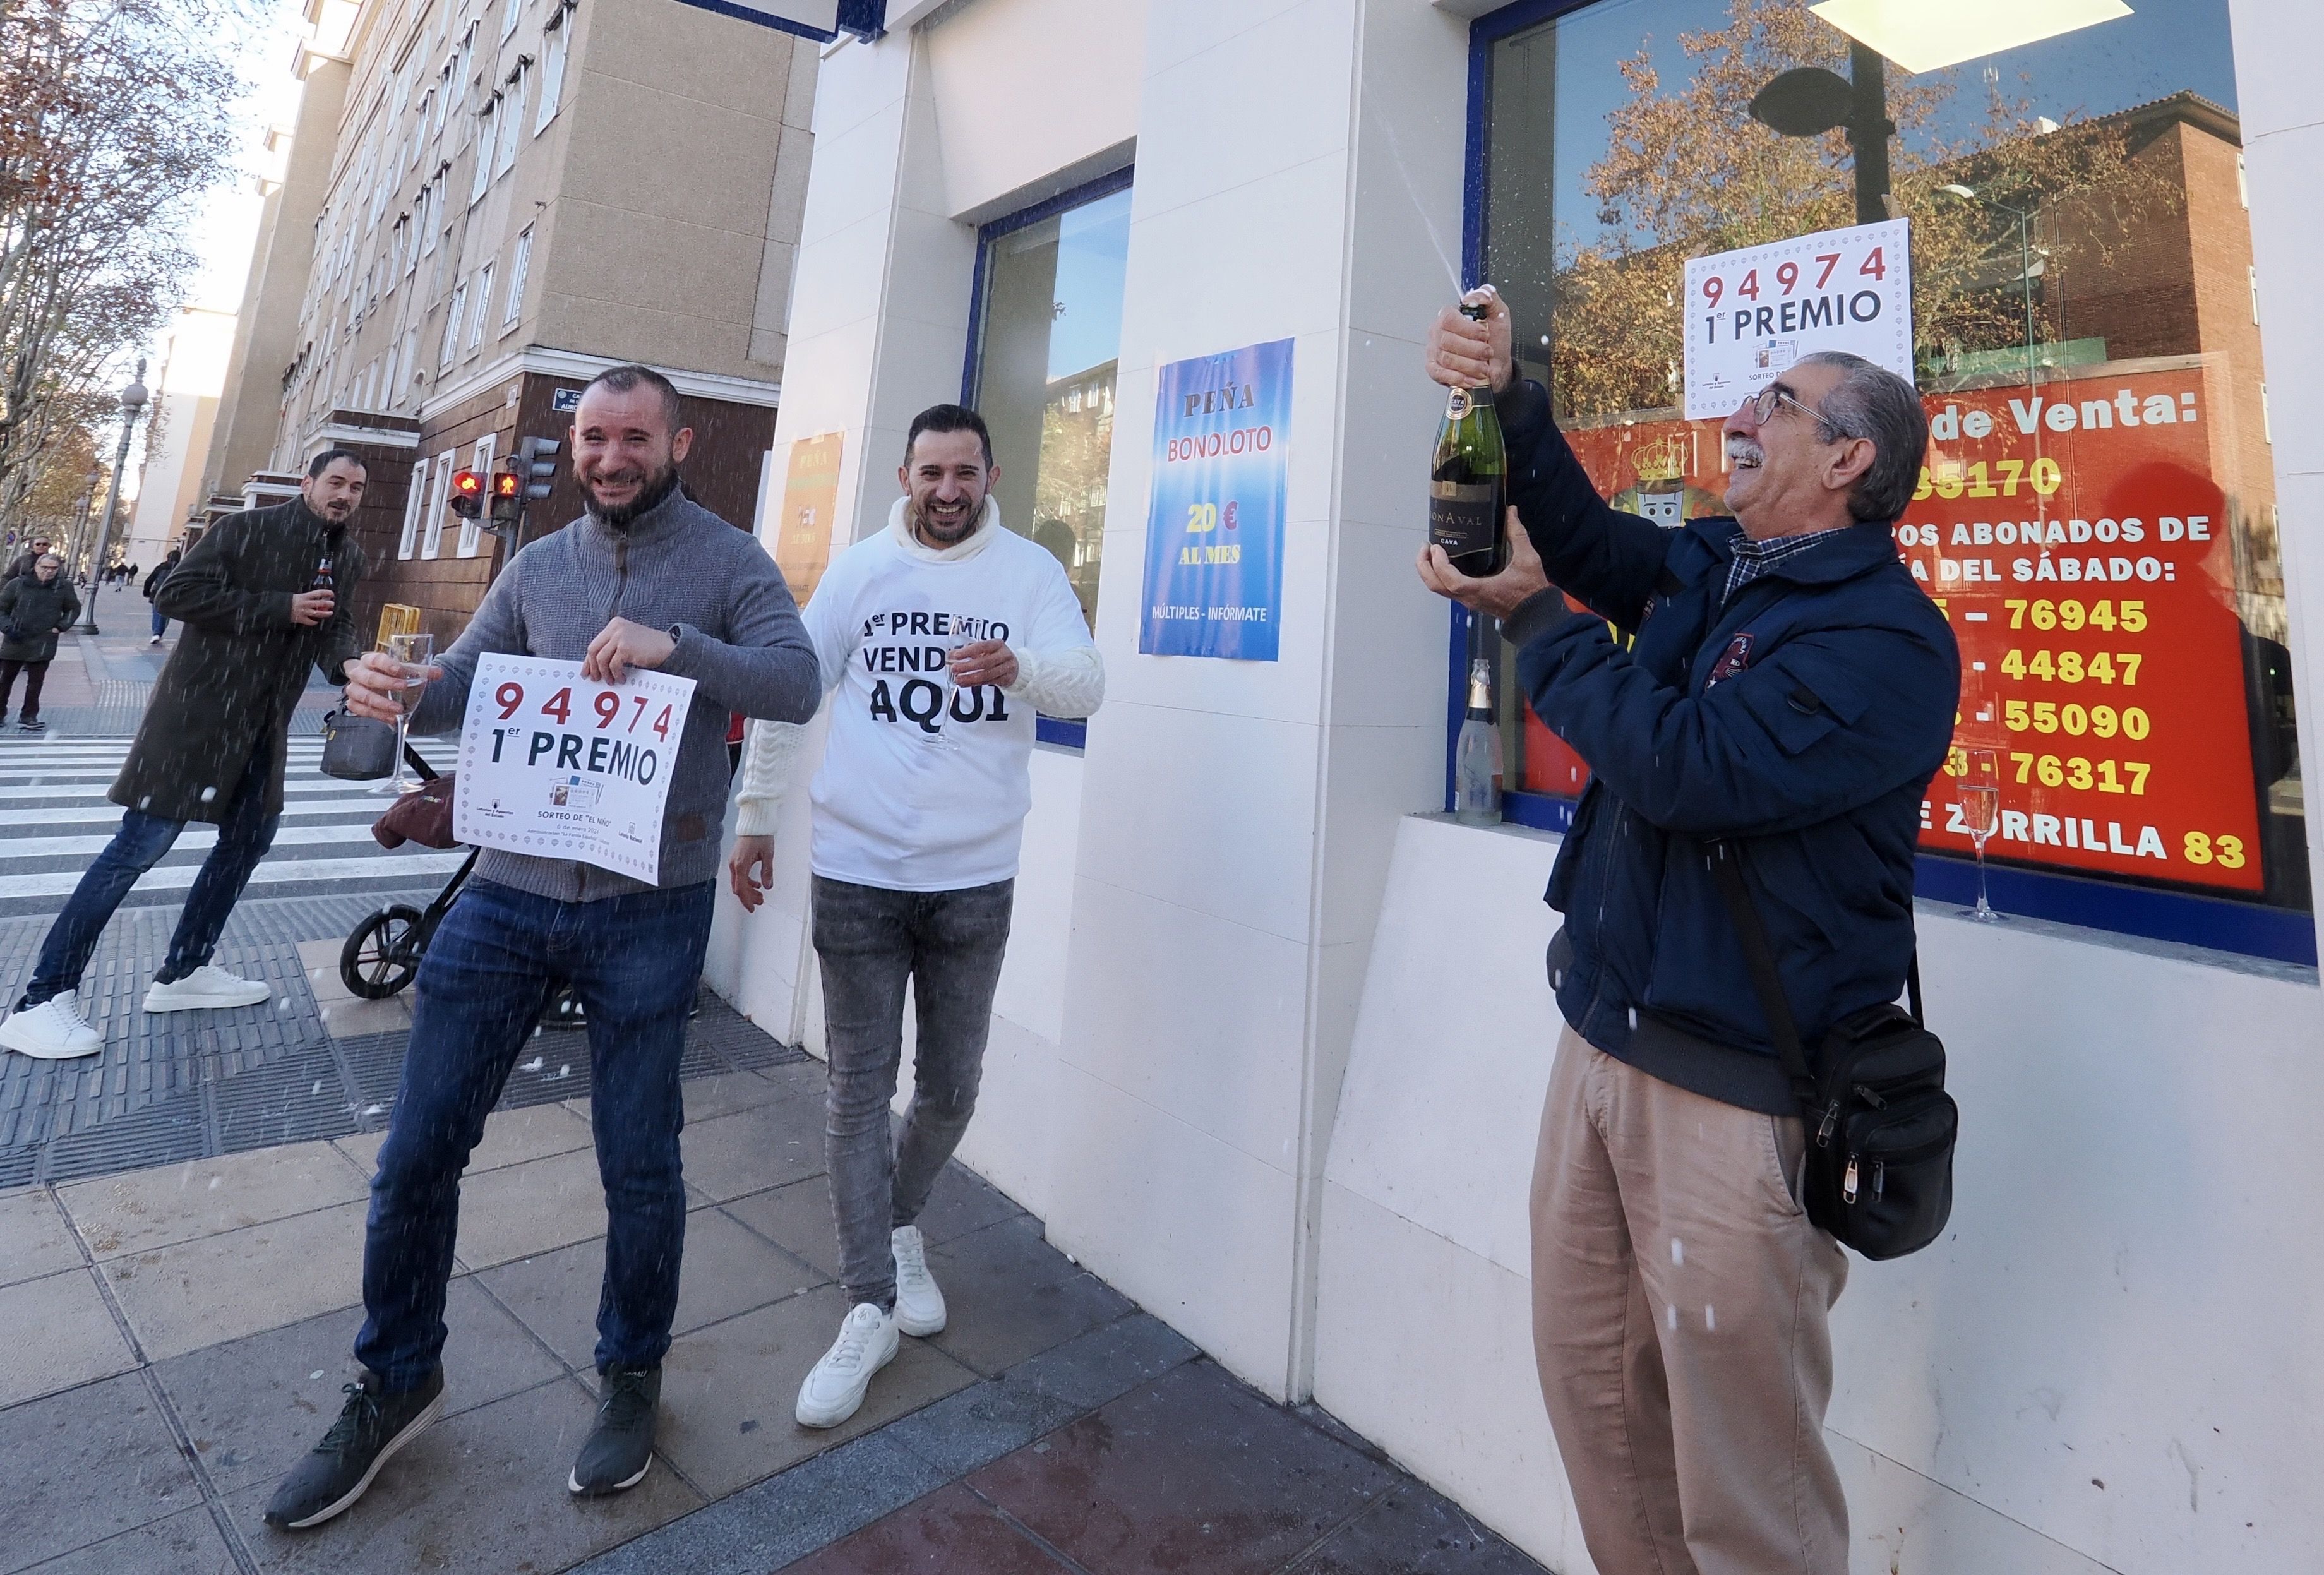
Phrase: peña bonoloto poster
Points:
(1214, 528)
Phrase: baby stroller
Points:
(381, 955)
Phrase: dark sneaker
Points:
(620, 1448)
(371, 1427)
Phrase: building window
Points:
(452, 310)
(2072, 317)
(511, 119)
(553, 45)
(509, 11)
(472, 532)
(1048, 329)
(519, 266)
(415, 509)
(482, 176)
(484, 307)
(431, 197)
(439, 504)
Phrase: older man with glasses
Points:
(1782, 685)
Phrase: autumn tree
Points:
(1687, 172)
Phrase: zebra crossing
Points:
(55, 818)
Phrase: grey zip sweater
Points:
(676, 567)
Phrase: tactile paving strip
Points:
(186, 1086)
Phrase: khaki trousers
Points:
(1680, 1304)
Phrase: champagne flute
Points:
(942, 737)
(1979, 793)
(413, 653)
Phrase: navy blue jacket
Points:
(1803, 719)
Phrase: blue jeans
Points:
(244, 835)
(160, 623)
(632, 960)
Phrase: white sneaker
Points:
(53, 1030)
(920, 1306)
(156, 640)
(833, 1392)
(207, 986)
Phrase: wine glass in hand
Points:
(1979, 793)
(413, 653)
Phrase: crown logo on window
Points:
(1663, 460)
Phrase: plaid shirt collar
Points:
(1754, 558)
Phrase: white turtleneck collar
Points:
(975, 541)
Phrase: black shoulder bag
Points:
(1880, 1126)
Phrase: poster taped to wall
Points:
(1214, 530)
(810, 501)
(1753, 312)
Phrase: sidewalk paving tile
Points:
(199, 1292)
(351, 1019)
(770, 1524)
(725, 1092)
(478, 1494)
(253, 1406)
(524, 1209)
(34, 1239)
(85, 1465)
(962, 1202)
(64, 1334)
(726, 1271)
(1010, 1295)
(511, 1138)
(1192, 1472)
(951, 1532)
(751, 1150)
(728, 1391)
(797, 1217)
(185, 1543)
(1416, 1531)
(135, 1211)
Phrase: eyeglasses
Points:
(1765, 402)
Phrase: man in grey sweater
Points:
(645, 579)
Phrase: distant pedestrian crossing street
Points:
(55, 818)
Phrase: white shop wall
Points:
(1203, 949)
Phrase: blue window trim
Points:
(2221, 923)
(1048, 729)
(866, 19)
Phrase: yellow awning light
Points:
(1922, 36)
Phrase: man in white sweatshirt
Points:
(941, 637)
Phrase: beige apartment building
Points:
(519, 194)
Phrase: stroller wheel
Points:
(378, 959)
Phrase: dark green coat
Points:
(40, 611)
(228, 690)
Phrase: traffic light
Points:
(536, 461)
(508, 497)
(467, 494)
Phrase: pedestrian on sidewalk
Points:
(942, 635)
(1784, 689)
(154, 581)
(644, 579)
(211, 746)
(33, 611)
(21, 564)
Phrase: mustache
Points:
(1743, 449)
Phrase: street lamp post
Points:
(2025, 217)
(133, 400)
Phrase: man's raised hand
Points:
(1465, 353)
(373, 679)
(1498, 595)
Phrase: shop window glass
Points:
(1049, 339)
(2097, 513)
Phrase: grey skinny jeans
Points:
(869, 940)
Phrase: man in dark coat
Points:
(21, 564)
(34, 609)
(212, 746)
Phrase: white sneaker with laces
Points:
(919, 1305)
(207, 986)
(53, 1030)
(835, 1389)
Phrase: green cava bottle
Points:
(1466, 511)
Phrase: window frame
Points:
(2219, 924)
(415, 505)
(556, 42)
(431, 544)
(519, 264)
(484, 307)
(1048, 729)
(472, 532)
